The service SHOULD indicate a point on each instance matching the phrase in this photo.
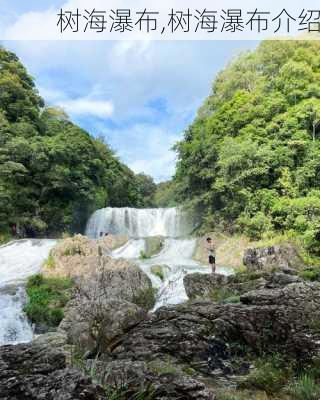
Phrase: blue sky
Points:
(139, 95)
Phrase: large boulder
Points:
(107, 303)
(93, 325)
(78, 255)
(266, 320)
(109, 295)
(153, 245)
(209, 286)
(267, 258)
(35, 372)
(168, 382)
(199, 285)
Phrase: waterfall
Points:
(139, 223)
(176, 255)
(18, 260)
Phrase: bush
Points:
(47, 298)
(311, 274)
(271, 375)
(305, 388)
(255, 226)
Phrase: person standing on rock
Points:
(211, 254)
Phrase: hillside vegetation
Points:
(250, 162)
(53, 174)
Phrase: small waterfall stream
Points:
(18, 260)
(176, 254)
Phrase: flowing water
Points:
(175, 256)
(23, 258)
(18, 260)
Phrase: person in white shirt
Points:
(211, 254)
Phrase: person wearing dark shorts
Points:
(211, 254)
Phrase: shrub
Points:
(311, 274)
(271, 375)
(47, 298)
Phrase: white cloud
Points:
(147, 91)
(144, 148)
(88, 107)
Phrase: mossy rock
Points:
(153, 246)
(160, 271)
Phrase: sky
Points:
(139, 95)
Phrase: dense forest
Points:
(53, 174)
(250, 162)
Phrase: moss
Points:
(157, 270)
(50, 262)
(222, 294)
(143, 255)
(145, 298)
(47, 298)
(161, 367)
(232, 300)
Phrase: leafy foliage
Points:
(251, 159)
(53, 174)
(47, 298)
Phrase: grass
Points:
(120, 388)
(5, 237)
(224, 295)
(305, 388)
(164, 367)
(47, 298)
(143, 255)
(270, 375)
(157, 271)
(50, 263)
(310, 274)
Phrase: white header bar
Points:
(168, 20)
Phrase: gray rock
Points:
(267, 320)
(202, 285)
(153, 245)
(167, 381)
(266, 258)
(107, 303)
(35, 372)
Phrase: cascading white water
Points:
(176, 254)
(138, 223)
(18, 260)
